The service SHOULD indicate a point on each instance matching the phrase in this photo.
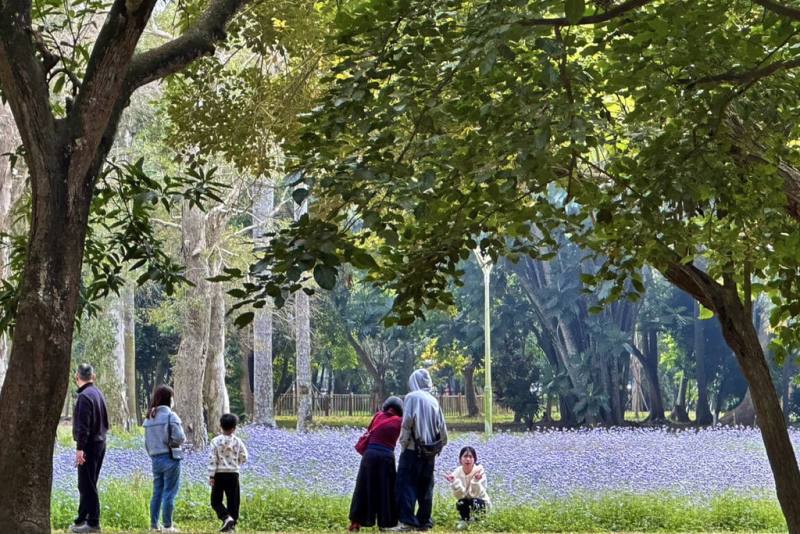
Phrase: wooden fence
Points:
(361, 404)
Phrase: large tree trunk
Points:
(703, 414)
(302, 319)
(129, 318)
(740, 334)
(473, 409)
(39, 363)
(263, 377)
(216, 391)
(190, 362)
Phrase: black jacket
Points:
(90, 420)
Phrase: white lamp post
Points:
(485, 262)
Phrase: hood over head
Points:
(420, 380)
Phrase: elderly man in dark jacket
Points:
(89, 427)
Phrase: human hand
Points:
(80, 458)
(210, 481)
(448, 477)
(478, 476)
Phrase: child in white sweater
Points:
(468, 483)
(227, 454)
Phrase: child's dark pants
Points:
(227, 484)
(469, 508)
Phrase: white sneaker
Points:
(170, 529)
(461, 525)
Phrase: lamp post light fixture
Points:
(485, 263)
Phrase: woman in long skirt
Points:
(374, 496)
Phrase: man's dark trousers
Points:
(227, 484)
(88, 473)
(415, 485)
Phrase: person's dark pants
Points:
(374, 495)
(415, 485)
(470, 507)
(88, 473)
(226, 484)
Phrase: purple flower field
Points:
(521, 468)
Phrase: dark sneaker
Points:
(228, 525)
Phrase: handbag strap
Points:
(169, 429)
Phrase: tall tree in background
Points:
(118, 413)
(129, 319)
(263, 406)
(190, 362)
(215, 392)
(302, 321)
(64, 152)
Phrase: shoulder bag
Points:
(175, 451)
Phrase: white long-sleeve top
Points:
(227, 454)
(466, 487)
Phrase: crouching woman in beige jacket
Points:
(468, 483)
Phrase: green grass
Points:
(125, 508)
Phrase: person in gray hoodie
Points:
(423, 433)
(163, 436)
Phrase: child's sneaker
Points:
(228, 525)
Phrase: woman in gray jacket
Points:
(163, 436)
